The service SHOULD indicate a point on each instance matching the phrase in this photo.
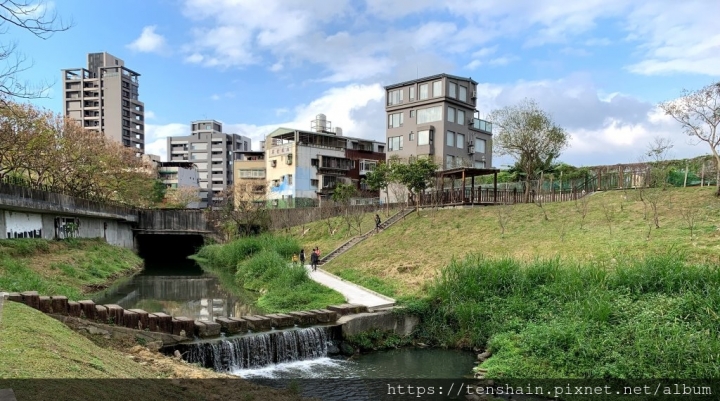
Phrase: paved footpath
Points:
(353, 293)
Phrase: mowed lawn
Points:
(400, 260)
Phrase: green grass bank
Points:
(263, 264)
(73, 267)
(629, 318)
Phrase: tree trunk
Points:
(527, 189)
(717, 172)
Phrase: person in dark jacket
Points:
(314, 258)
(377, 223)
(302, 257)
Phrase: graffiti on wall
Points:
(23, 225)
(67, 227)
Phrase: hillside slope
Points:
(400, 260)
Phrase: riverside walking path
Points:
(353, 293)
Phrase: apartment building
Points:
(250, 178)
(213, 152)
(304, 166)
(105, 97)
(435, 116)
(183, 176)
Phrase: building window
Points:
(437, 88)
(460, 141)
(424, 91)
(480, 164)
(395, 97)
(452, 90)
(412, 93)
(314, 183)
(450, 138)
(314, 162)
(429, 115)
(424, 137)
(381, 149)
(449, 162)
(412, 136)
(479, 145)
(460, 117)
(395, 143)
(412, 113)
(395, 120)
(289, 179)
(463, 94)
(451, 114)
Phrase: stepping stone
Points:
(59, 304)
(182, 324)
(348, 309)
(206, 328)
(242, 324)
(324, 315)
(228, 325)
(258, 323)
(280, 320)
(304, 318)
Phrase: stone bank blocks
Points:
(138, 319)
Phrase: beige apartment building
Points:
(435, 116)
(104, 97)
(250, 179)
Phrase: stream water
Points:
(182, 288)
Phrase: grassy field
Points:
(35, 346)
(319, 234)
(263, 264)
(74, 268)
(402, 259)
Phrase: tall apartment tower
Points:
(104, 97)
(213, 152)
(435, 116)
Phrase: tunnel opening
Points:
(168, 251)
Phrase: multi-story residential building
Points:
(304, 166)
(182, 176)
(104, 97)
(213, 152)
(250, 181)
(435, 116)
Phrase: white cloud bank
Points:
(148, 41)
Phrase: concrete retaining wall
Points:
(24, 224)
(388, 321)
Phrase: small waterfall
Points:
(258, 350)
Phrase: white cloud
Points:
(148, 41)
(226, 95)
(604, 129)
(149, 115)
(156, 137)
(676, 39)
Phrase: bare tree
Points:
(38, 19)
(503, 212)
(690, 215)
(698, 113)
(539, 200)
(329, 212)
(608, 212)
(582, 207)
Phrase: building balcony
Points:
(481, 125)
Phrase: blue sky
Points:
(599, 66)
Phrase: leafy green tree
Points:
(379, 180)
(528, 134)
(416, 175)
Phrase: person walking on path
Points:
(314, 259)
(302, 257)
(377, 223)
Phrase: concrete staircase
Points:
(356, 240)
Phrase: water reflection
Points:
(180, 289)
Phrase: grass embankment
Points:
(329, 234)
(35, 346)
(402, 259)
(263, 264)
(655, 318)
(74, 267)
